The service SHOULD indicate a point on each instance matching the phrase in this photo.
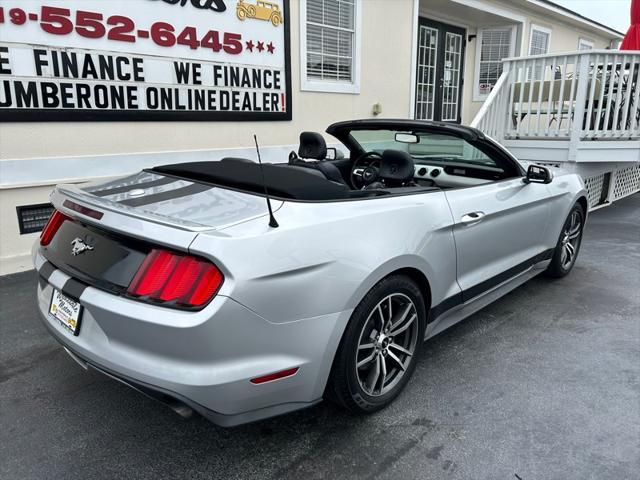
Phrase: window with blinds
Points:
(330, 39)
(539, 45)
(495, 44)
(539, 42)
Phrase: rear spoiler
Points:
(72, 192)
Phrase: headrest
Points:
(312, 145)
(397, 165)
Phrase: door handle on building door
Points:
(472, 218)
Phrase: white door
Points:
(440, 76)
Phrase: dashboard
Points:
(457, 175)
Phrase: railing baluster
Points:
(601, 99)
(512, 92)
(627, 99)
(592, 92)
(552, 83)
(505, 107)
(611, 83)
(523, 74)
(530, 76)
(563, 80)
(635, 121)
(620, 84)
(493, 117)
(572, 96)
(540, 92)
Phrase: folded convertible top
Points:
(282, 181)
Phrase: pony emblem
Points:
(79, 246)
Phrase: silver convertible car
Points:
(242, 292)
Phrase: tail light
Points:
(51, 228)
(184, 280)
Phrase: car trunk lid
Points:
(167, 200)
(121, 221)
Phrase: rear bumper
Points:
(201, 359)
(184, 406)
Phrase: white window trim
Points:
(414, 58)
(477, 96)
(541, 29)
(331, 86)
(586, 41)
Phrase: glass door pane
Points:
(427, 64)
(451, 77)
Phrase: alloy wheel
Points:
(571, 240)
(387, 344)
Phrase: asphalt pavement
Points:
(543, 384)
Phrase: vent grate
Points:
(33, 218)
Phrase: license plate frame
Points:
(67, 311)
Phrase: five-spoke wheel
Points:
(386, 344)
(571, 239)
(378, 351)
(566, 252)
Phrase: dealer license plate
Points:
(67, 311)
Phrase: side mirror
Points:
(334, 154)
(538, 174)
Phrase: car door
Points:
(498, 229)
(499, 226)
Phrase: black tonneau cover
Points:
(282, 181)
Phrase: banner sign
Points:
(144, 60)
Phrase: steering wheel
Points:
(363, 175)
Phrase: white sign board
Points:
(144, 60)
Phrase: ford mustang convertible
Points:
(242, 292)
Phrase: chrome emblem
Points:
(79, 246)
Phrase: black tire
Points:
(344, 386)
(558, 267)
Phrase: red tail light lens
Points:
(187, 281)
(51, 228)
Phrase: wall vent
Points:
(33, 218)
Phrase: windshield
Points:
(426, 146)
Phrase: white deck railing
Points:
(578, 96)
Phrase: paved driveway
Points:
(543, 384)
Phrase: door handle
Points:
(472, 218)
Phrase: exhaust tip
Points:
(182, 409)
(78, 360)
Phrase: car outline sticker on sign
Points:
(262, 10)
